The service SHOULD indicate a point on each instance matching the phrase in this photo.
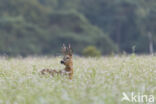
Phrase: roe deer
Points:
(67, 61)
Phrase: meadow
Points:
(95, 81)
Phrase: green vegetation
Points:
(91, 51)
(41, 26)
(96, 80)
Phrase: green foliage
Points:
(91, 51)
(27, 37)
(41, 26)
(127, 22)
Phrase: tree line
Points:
(41, 26)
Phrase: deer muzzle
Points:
(62, 62)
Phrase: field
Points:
(96, 80)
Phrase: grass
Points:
(96, 80)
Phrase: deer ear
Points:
(64, 49)
(70, 51)
(69, 46)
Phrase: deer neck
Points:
(69, 68)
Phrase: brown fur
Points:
(67, 61)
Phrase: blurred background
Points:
(92, 27)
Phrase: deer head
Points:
(67, 59)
